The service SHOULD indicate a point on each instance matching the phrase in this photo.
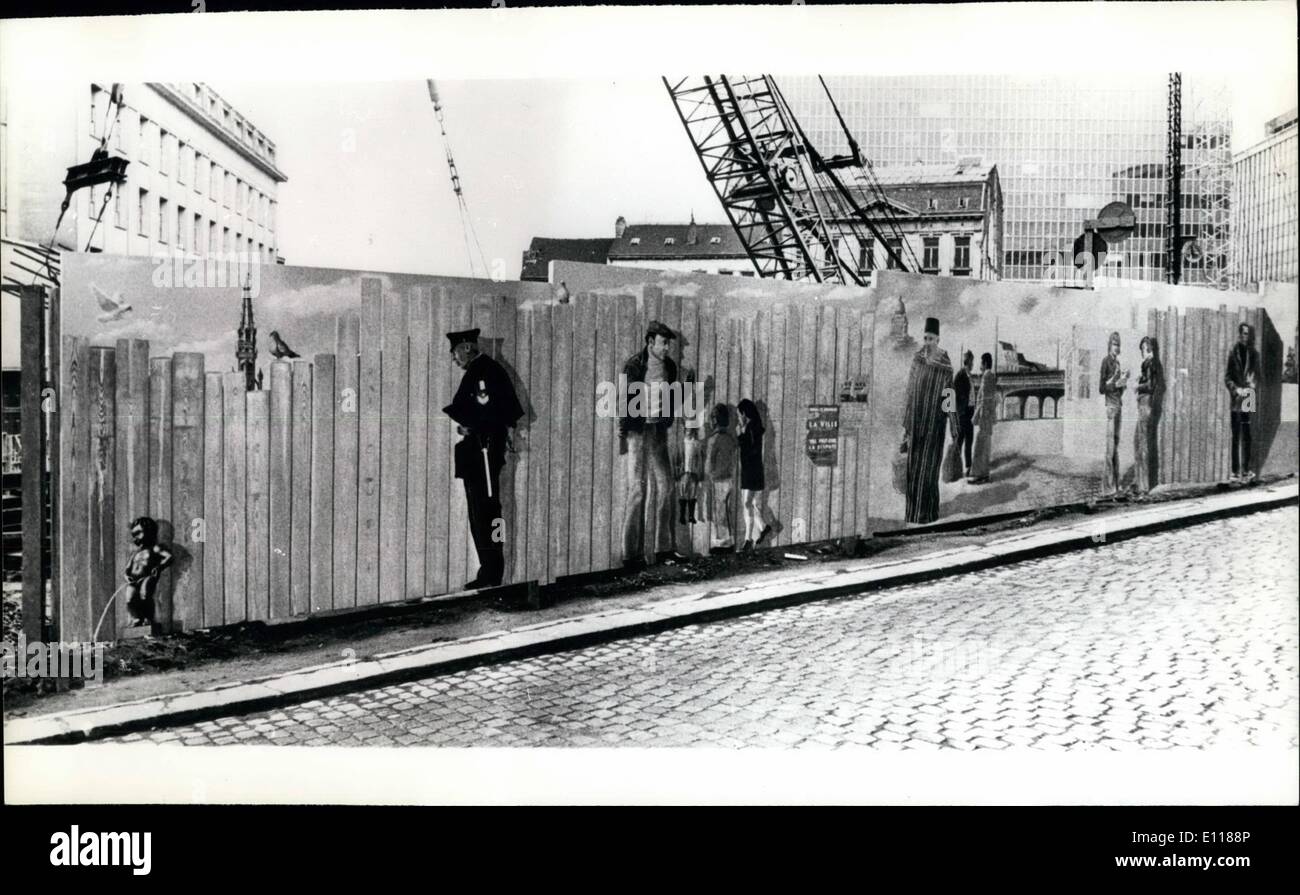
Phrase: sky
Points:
(369, 186)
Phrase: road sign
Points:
(1115, 222)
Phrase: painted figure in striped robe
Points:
(925, 424)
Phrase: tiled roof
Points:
(652, 241)
(543, 250)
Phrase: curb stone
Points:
(558, 635)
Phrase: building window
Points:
(932, 204)
(961, 256)
(214, 183)
(867, 256)
(200, 168)
(98, 104)
(715, 240)
(164, 164)
(181, 220)
(214, 245)
(635, 240)
(897, 252)
(119, 207)
(142, 143)
(142, 213)
(164, 223)
(930, 254)
(963, 202)
(668, 240)
(227, 241)
(228, 195)
(186, 158)
(200, 244)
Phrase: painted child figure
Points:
(688, 483)
(720, 465)
(143, 570)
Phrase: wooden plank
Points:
(280, 473)
(323, 441)
(1172, 383)
(777, 424)
(539, 466)
(188, 489)
(625, 345)
(482, 319)
(836, 475)
(804, 510)
(1223, 403)
(604, 436)
(214, 556)
(504, 311)
(347, 401)
(685, 312)
(300, 571)
(369, 435)
(1195, 334)
(258, 421)
(234, 504)
(74, 498)
(393, 435)
(459, 543)
(866, 359)
(560, 422)
(420, 329)
(160, 476)
(438, 478)
(102, 419)
(53, 339)
(582, 432)
(132, 446)
(793, 458)
(706, 370)
(32, 417)
(517, 551)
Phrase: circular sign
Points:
(1115, 222)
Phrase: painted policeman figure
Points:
(484, 408)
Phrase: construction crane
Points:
(793, 211)
(466, 221)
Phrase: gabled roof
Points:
(543, 250)
(652, 241)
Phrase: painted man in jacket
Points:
(646, 422)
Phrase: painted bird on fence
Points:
(114, 306)
(279, 348)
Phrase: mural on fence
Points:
(293, 443)
(1001, 396)
(331, 483)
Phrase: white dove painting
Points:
(114, 307)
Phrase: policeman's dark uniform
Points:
(486, 406)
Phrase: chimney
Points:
(619, 226)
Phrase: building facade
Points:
(1064, 147)
(201, 180)
(1266, 211)
(949, 216)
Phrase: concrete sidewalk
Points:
(676, 608)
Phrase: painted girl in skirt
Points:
(752, 487)
(720, 469)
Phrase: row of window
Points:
(961, 266)
(167, 223)
(168, 153)
(219, 111)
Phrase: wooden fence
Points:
(333, 488)
(1195, 437)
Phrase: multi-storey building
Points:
(1064, 147)
(201, 177)
(1266, 209)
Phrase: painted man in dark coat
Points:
(1242, 379)
(485, 408)
(925, 424)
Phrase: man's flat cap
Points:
(658, 329)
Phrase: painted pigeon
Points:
(279, 348)
(114, 307)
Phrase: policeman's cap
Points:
(465, 335)
(658, 329)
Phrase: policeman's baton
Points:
(487, 471)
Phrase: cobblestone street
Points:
(1187, 638)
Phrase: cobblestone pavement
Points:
(1181, 639)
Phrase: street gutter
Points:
(558, 635)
